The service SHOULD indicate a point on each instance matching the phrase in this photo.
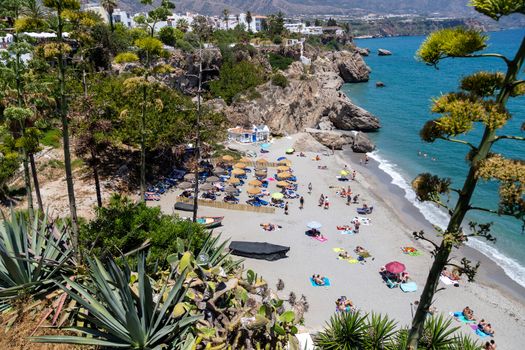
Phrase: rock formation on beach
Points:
(312, 99)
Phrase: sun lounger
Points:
(390, 284)
(365, 211)
(325, 280)
(408, 287)
(478, 331)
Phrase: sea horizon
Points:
(404, 105)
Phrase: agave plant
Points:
(438, 333)
(380, 333)
(344, 331)
(126, 315)
(32, 255)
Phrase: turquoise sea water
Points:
(403, 107)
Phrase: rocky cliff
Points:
(312, 98)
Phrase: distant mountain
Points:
(316, 7)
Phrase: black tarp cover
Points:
(259, 250)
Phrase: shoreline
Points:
(360, 282)
(490, 274)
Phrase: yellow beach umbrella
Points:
(286, 162)
(234, 181)
(255, 183)
(240, 165)
(238, 171)
(254, 190)
(261, 161)
(245, 160)
(283, 184)
(284, 175)
(344, 172)
(283, 168)
(227, 158)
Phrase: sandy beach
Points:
(383, 238)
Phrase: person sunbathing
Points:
(490, 345)
(344, 255)
(269, 226)
(482, 324)
(317, 158)
(488, 330)
(405, 277)
(318, 280)
(468, 313)
(344, 228)
(359, 249)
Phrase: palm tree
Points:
(110, 6)
(182, 25)
(226, 14)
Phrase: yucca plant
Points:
(464, 342)
(381, 331)
(344, 331)
(32, 255)
(126, 315)
(438, 333)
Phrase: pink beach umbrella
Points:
(395, 267)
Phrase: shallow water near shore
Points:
(403, 107)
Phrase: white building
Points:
(123, 17)
(99, 10)
(5, 41)
(258, 133)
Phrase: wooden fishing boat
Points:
(210, 221)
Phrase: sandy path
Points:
(359, 282)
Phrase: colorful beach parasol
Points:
(261, 173)
(212, 179)
(227, 158)
(286, 162)
(185, 185)
(395, 267)
(240, 165)
(189, 177)
(255, 183)
(283, 168)
(277, 195)
(283, 184)
(234, 181)
(219, 171)
(284, 175)
(231, 190)
(314, 225)
(261, 161)
(238, 171)
(245, 160)
(254, 190)
(207, 187)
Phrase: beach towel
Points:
(458, 315)
(478, 331)
(408, 287)
(448, 281)
(320, 239)
(338, 250)
(346, 232)
(362, 220)
(411, 251)
(351, 260)
(326, 282)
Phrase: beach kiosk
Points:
(258, 133)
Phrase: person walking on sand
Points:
(356, 228)
(349, 198)
(321, 200)
(366, 159)
(286, 208)
(326, 203)
(354, 174)
(301, 202)
(356, 198)
(310, 188)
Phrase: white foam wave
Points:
(440, 218)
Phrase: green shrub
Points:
(125, 57)
(51, 138)
(123, 226)
(279, 62)
(184, 45)
(279, 80)
(235, 78)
